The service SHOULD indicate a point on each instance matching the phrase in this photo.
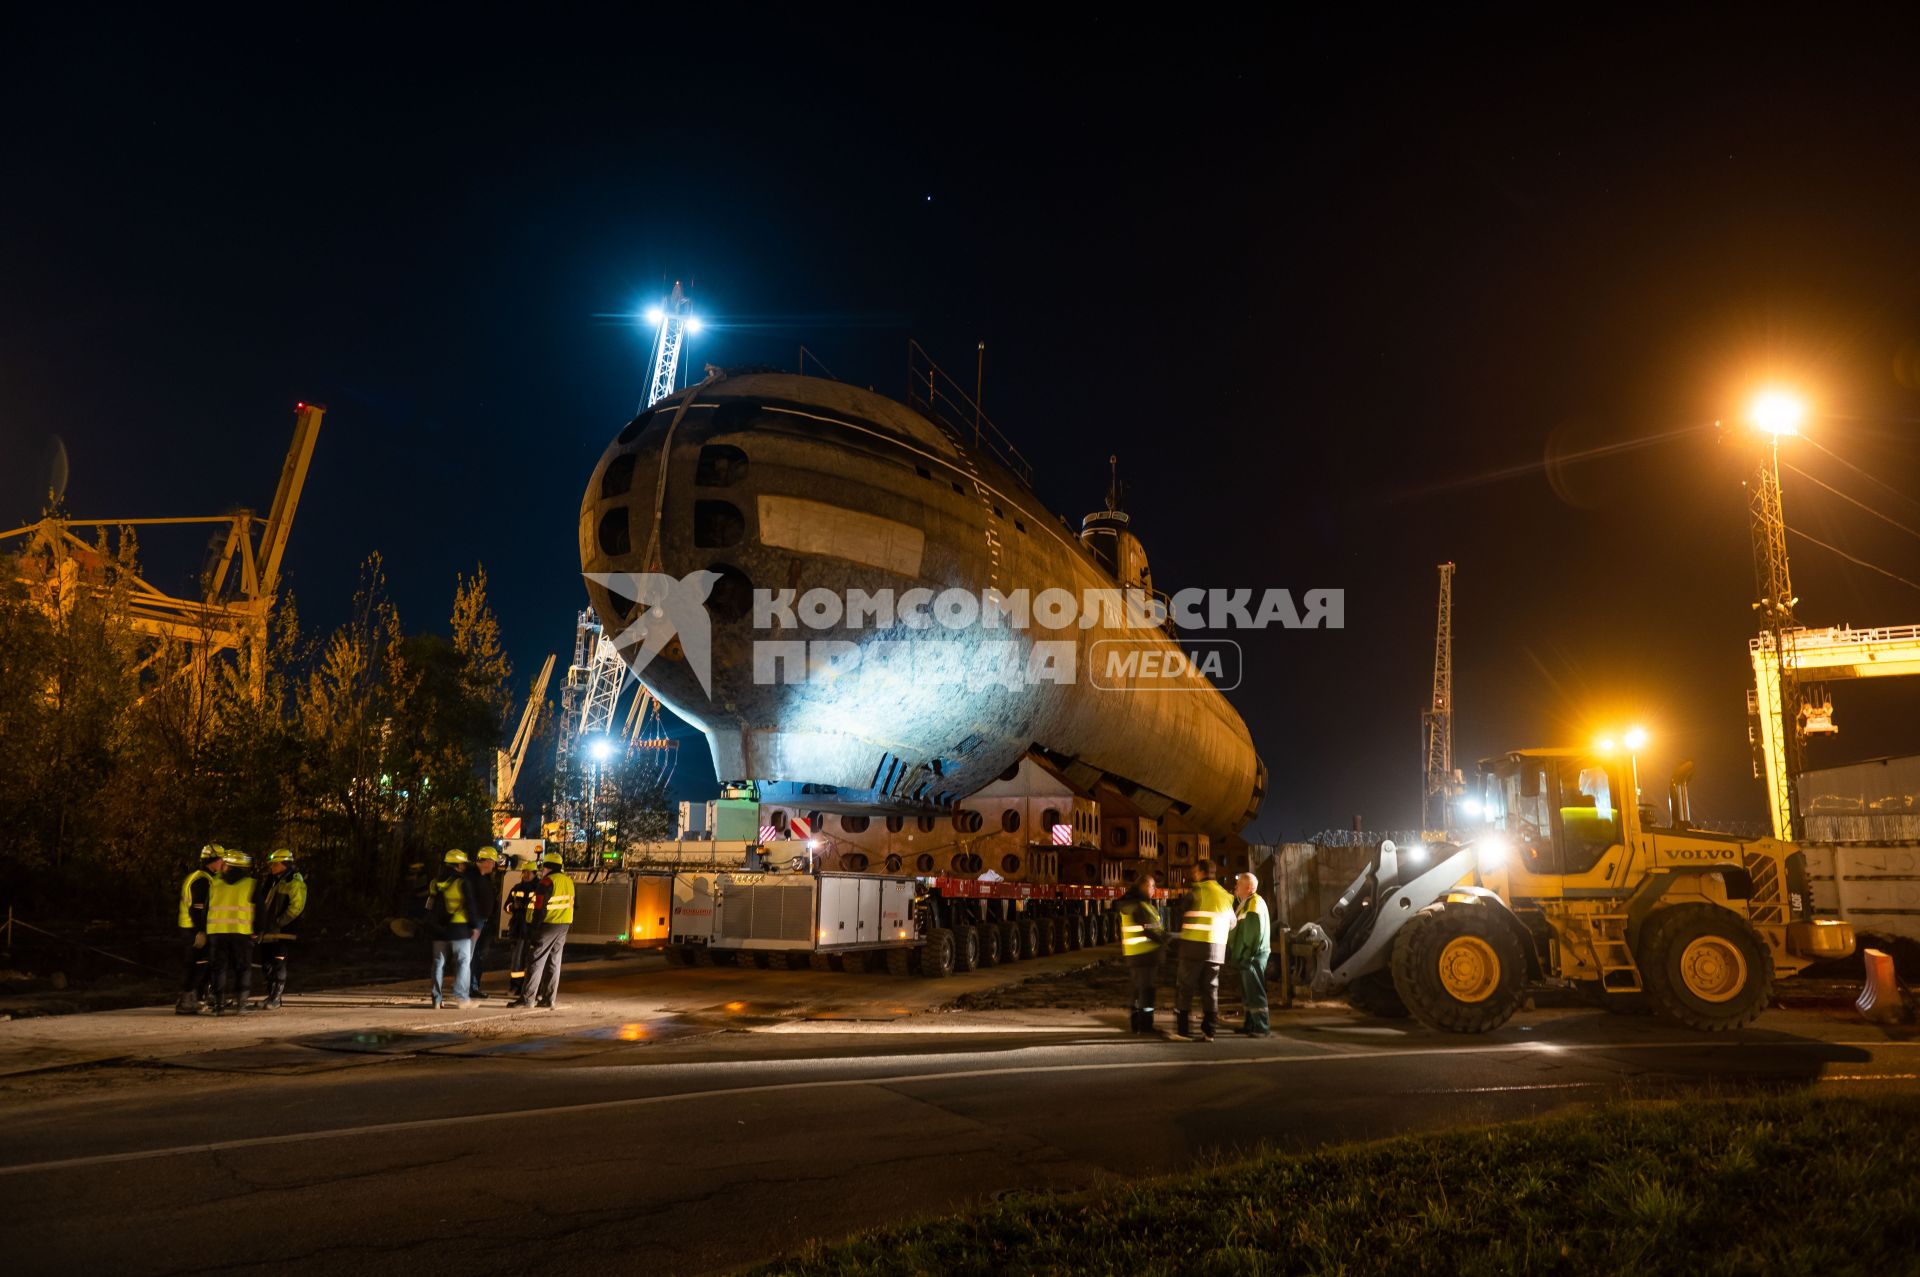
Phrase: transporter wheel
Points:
(1076, 931)
(853, 963)
(798, 961)
(1110, 928)
(899, 962)
(725, 957)
(991, 943)
(762, 959)
(936, 955)
(702, 957)
(1374, 994)
(1030, 938)
(1045, 938)
(966, 948)
(820, 961)
(1013, 941)
(1459, 968)
(1704, 967)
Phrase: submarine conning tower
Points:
(1108, 536)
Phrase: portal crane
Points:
(231, 614)
(1890, 651)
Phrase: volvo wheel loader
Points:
(1572, 881)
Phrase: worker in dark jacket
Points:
(282, 899)
(450, 923)
(552, 916)
(1141, 940)
(194, 892)
(523, 901)
(485, 883)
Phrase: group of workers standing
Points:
(227, 918)
(463, 904)
(1215, 929)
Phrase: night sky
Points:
(1344, 302)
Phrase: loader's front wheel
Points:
(1704, 967)
(1459, 968)
(1374, 994)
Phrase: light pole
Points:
(1777, 414)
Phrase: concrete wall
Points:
(1308, 878)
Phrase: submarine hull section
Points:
(777, 483)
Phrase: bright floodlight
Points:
(1469, 807)
(601, 750)
(1417, 853)
(1777, 412)
(1604, 744)
(693, 324)
(654, 315)
(1491, 851)
(1636, 737)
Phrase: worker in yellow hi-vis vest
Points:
(230, 933)
(1141, 937)
(452, 926)
(1203, 947)
(195, 891)
(552, 915)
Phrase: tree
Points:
(344, 711)
(485, 672)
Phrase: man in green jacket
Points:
(1247, 950)
(282, 899)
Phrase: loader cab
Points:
(1563, 810)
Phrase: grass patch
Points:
(1780, 1184)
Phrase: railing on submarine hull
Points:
(940, 397)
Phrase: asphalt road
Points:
(711, 1151)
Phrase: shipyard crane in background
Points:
(232, 612)
(673, 322)
(598, 677)
(1441, 782)
(508, 761)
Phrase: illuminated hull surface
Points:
(795, 483)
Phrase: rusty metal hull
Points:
(794, 483)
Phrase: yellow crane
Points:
(232, 612)
(508, 761)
